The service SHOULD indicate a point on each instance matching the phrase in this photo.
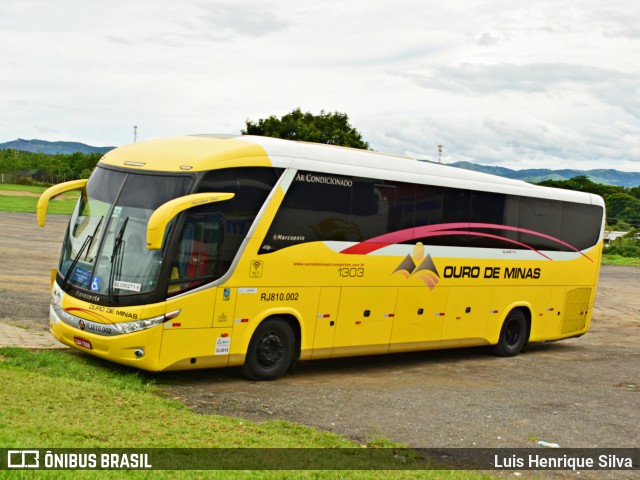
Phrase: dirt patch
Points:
(578, 393)
(17, 193)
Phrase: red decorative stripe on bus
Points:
(446, 229)
(88, 312)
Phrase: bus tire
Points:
(271, 350)
(513, 335)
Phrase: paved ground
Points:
(28, 254)
(12, 336)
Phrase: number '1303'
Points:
(351, 272)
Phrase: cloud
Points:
(474, 79)
(500, 82)
(120, 40)
(616, 23)
(233, 19)
(609, 86)
(517, 141)
(486, 39)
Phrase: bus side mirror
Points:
(164, 213)
(43, 201)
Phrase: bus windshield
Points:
(104, 250)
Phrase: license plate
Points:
(82, 342)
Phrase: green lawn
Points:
(21, 188)
(27, 203)
(61, 399)
(619, 260)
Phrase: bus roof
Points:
(209, 152)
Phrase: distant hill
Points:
(51, 148)
(602, 176)
(533, 175)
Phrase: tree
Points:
(330, 128)
(28, 167)
(623, 206)
(626, 246)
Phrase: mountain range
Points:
(603, 176)
(52, 148)
(534, 175)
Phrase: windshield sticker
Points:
(134, 287)
(81, 276)
(96, 284)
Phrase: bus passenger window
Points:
(197, 258)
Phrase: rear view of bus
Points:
(200, 252)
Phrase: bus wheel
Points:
(271, 350)
(513, 335)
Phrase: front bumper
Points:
(139, 349)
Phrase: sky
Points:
(518, 84)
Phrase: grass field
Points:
(619, 260)
(21, 188)
(12, 201)
(67, 400)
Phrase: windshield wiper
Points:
(87, 243)
(114, 254)
(92, 237)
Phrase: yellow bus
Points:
(208, 251)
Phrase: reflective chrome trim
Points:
(104, 329)
(57, 314)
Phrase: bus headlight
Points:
(138, 325)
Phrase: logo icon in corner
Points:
(81, 325)
(419, 266)
(23, 459)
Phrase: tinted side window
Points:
(251, 187)
(581, 224)
(196, 260)
(488, 212)
(438, 206)
(324, 207)
(543, 217)
(213, 233)
(316, 207)
(400, 200)
(428, 205)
